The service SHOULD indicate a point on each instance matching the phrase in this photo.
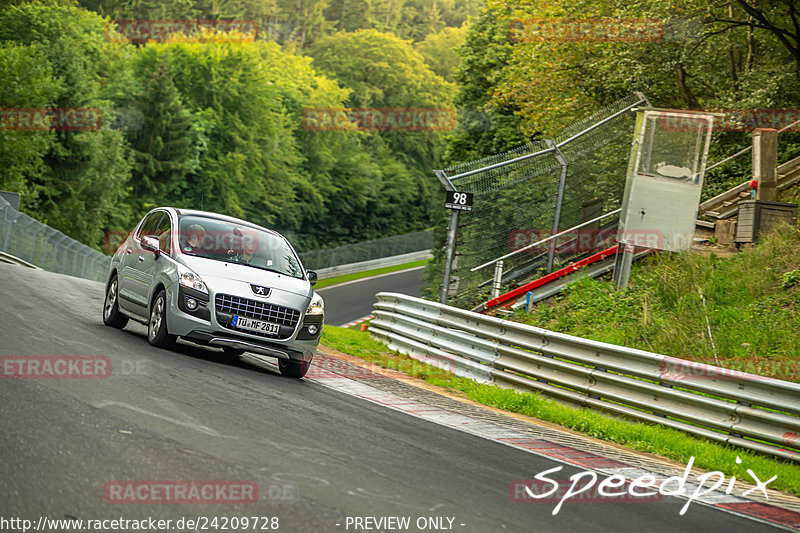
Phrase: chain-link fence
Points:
(535, 191)
(364, 251)
(30, 240)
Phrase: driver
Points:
(195, 234)
(249, 248)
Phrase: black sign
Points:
(459, 200)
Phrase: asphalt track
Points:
(317, 454)
(353, 300)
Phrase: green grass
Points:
(360, 344)
(327, 282)
(750, 301)
(663, 441)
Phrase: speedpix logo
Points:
(580, 487)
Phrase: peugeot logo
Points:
(259, 290)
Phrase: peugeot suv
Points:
(218, 281)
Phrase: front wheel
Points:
(157, 333)
(293, 369)
(111, 313)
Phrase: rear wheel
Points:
(111, 314)
(293, 369)
(232, 351)
(157, 334)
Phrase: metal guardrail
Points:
(341, 270)
(368, 250)
(39, 245)
(736, 408)
(14, 260)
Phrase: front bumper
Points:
(205, 325)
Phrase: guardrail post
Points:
(562, 182)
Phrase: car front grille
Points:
(235, 305)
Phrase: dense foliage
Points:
(552, 62)
(215, 120)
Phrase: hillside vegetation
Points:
(740, 312)
(216, 120)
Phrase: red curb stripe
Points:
(765, 511)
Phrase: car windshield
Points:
(245, 245)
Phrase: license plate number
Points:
(259, 326)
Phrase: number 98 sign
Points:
(459, 200)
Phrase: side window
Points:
(150, 224)
(163, 232)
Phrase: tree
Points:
(440, 51)
(384, 72)
(166, 147)
(781, 19)
(246, 165)
(488, 125)
(28, 84)
(82, 181)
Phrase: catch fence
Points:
(28, 239)
(368, 250)
(532, 192)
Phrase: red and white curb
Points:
(357, 321)
(742, 506)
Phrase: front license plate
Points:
(258, 326)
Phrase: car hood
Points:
(211, 270)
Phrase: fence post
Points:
(52, 233)
(450, 247)
(562, 182)
(498, 278)
(59, 256)
(765, 163)
(449, 253)
(622, 265)
(7, 224)
(21, 236)
(83, 266)
(34, 239)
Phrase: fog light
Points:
(191, 304)
(312, 329)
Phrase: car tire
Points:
(111, 314)
(293, 369)
(157, 334)
(232, 351)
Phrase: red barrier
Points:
(511, 296)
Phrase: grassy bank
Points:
(740, 312)
(327, 282)
(648, 438)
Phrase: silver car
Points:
(219, 281)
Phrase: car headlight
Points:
(317, 306)
(193, 281)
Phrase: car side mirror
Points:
(312, 276)
(150, 243)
